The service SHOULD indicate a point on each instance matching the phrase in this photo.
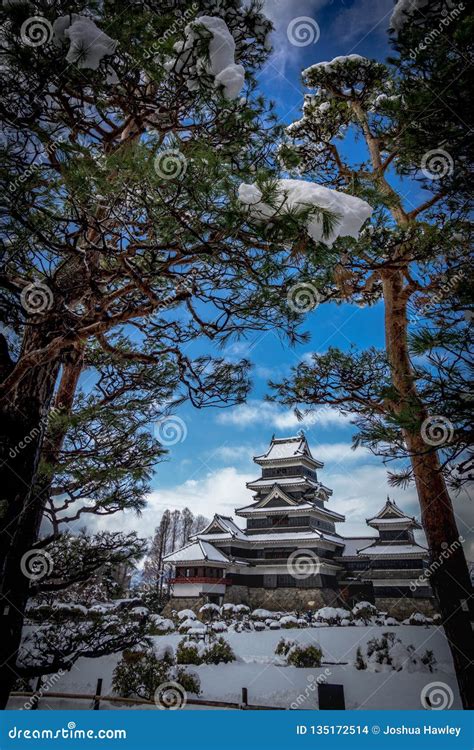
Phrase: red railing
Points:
(201, 579)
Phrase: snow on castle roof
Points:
(392, 514)
(197, 551)
(287, 447)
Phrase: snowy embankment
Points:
(271, 683)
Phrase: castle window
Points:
(279, 520)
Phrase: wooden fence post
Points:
(36, 694)
(98, 691)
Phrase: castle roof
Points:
(197, 551)
(299, 482)
(392, 515)
(287, 449)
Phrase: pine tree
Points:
(120, 171)
(434, 44)
(412, 258)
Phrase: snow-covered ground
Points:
(271, 683)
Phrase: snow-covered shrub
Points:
(228, 611)
(189, 623)
(417, 618)
(241, 610)
(186, 614)
(189, 652)
(141, 677)
(209, 612)
(164, 626)
(259, 625)
(274, 625)
(261, 614)
(390, 621)
(360, 662)
(304, 656)
(345, 623)
(332, 615)
(219, 626)
(298, 655)
(139, 612)
(389, 653)
(289, 621)
(364, 611)
(303, 622)
(219, 651)
(283, 646)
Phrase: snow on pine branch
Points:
(218, 61)
(88, 44)
(349, 212)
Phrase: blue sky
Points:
(207, 470)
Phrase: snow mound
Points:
(88, 44)
(351, 212)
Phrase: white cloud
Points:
(232, 453)
(256, 412)
(338, 453)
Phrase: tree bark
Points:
(24, 415)
(450, 578)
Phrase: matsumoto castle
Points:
(290, 555)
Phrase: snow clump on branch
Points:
(218, 61)
(350, 212)
(88, 44)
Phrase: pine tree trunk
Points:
(24, 419)
(450, 578)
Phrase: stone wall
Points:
(403, 608)
(289, 599)
(282, 599)
(183, 602)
